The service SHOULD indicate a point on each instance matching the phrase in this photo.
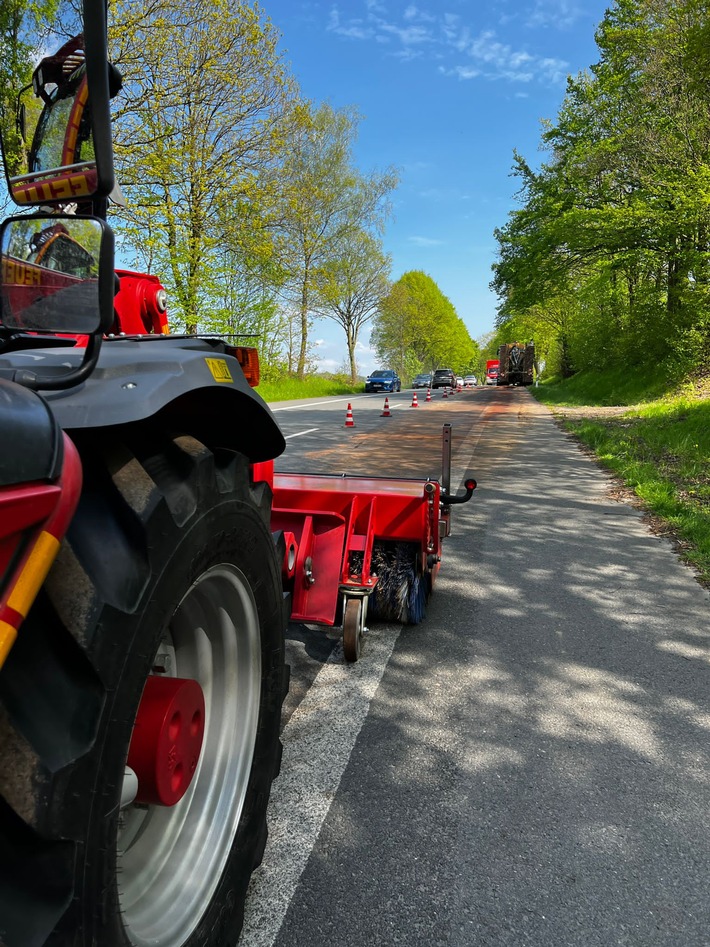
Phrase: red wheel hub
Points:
(167, 739)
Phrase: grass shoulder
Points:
(313, 386)
(656, 441)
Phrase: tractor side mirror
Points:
(58, 150)
(55, 274)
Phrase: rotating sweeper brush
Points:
(402, 589)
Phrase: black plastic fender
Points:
(30, 429)
(190, 385)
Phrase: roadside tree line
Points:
(243, 197)
(607, 259)
(417, 329)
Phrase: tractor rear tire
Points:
(169, 567)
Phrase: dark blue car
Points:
(384, 379)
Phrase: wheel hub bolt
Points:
(167, 739)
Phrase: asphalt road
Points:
(529, 766)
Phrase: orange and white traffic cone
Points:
(428, 394)
(445, 394)
(349, 417)
(415, 403)
(386, 413)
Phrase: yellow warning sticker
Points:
(219, 369)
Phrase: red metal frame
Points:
(33, 519)
(328, 519)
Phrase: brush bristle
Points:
(400, 594)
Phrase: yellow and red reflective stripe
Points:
(8, 634)
(34, 572)
(25, 588)
(10, 621)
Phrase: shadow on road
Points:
(534, 767)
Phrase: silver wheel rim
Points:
(170, 860)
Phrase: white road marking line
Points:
(317, 404)
(318, 741)
(300, 433)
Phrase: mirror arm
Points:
(100, 207)
(37, 382)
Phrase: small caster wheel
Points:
(352, 629)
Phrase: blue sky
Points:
(447, 89)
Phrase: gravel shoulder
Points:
(617, 489)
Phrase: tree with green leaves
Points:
(615, 225)
(325, 201)
(352, 286)
(199, 118)
(26, 26)
(417, 328)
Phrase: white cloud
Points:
(378, 26)
(407, 54)
(365, 350)
(466, 72)
(425, 242)
(496, 60)
(417, 32)
(560, 14)
(353, 29)
(555, 69)
(417, 165)
(406, 35)
(415, 13)
(332, 356)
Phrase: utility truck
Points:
(150, 558)
(515, 363)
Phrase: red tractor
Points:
(149, 561)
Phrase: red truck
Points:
(492, 366)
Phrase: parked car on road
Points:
(470, 381)
(383, 379)
(422, 381)
(443, 378)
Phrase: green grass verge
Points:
(314, 386)
(660, 448)
(613, 387)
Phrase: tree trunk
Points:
(352, 342)
(303, 317)
(673, 288)
(565, 360)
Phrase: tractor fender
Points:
(186, 385)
